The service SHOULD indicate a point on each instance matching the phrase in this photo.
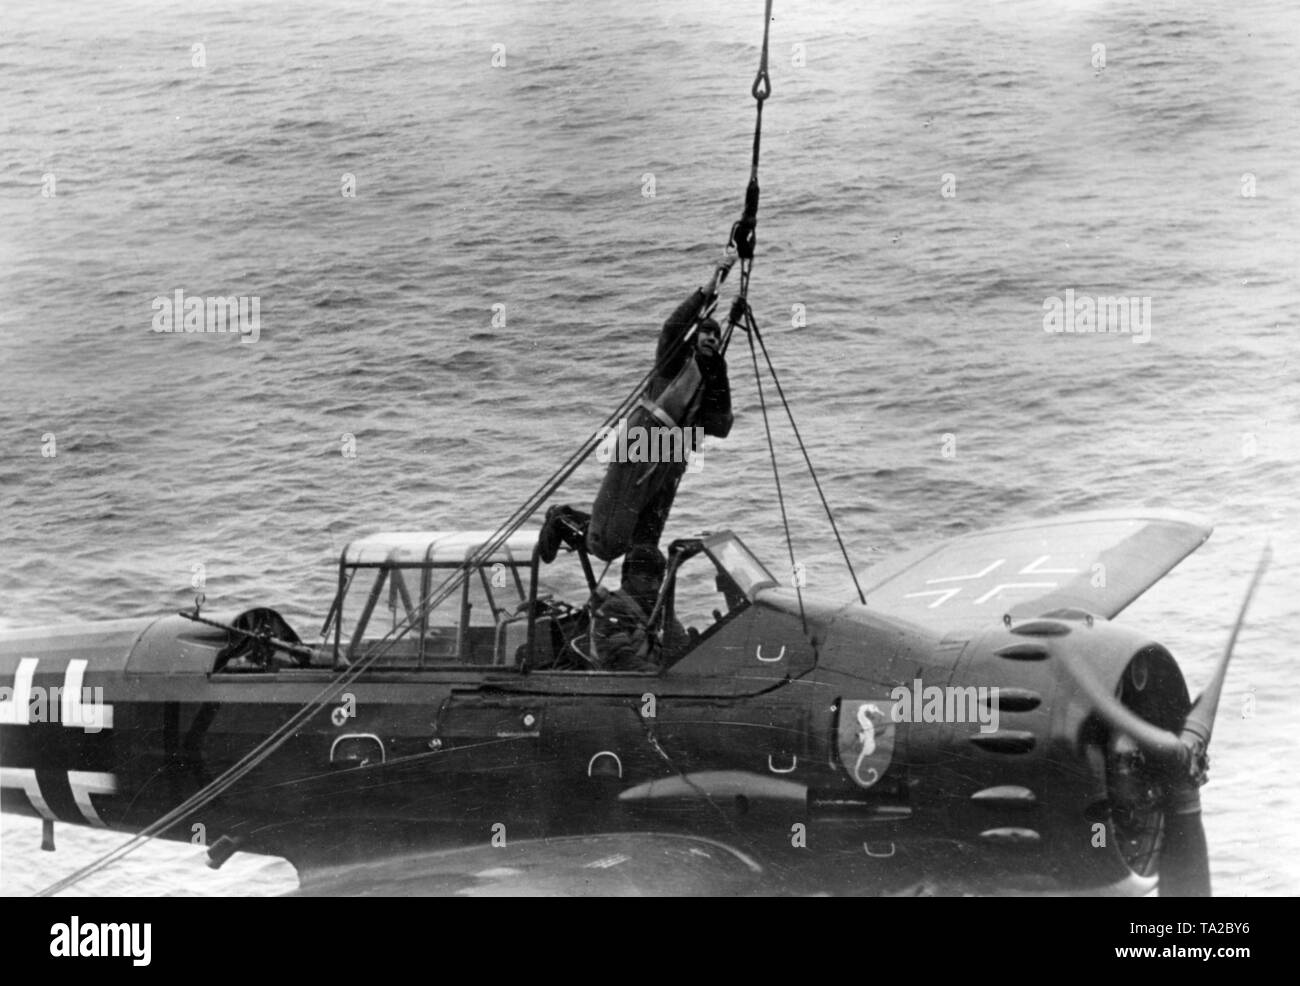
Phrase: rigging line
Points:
(776, 472)
(761, 89)
(743, 233)
(811, 471)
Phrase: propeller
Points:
(1180, 758)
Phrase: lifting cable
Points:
(754, 335)
(744, 234)
(743, 239)
(776, 474)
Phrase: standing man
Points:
(689, 390)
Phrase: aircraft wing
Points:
(1097, 562)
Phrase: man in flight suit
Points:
(689, 389)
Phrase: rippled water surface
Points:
(524, 185)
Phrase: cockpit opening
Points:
(423, 601)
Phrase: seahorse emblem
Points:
(867, 740)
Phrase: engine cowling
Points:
(997, 759)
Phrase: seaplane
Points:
(981, 725)
(975, 721)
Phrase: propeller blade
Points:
(1184, 856)
(1200, 721)
(1158, 745)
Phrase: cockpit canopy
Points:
(438, 548)
(410, 600)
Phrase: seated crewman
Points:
(621, 636)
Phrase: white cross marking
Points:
(15, 710)
(1013, 585)
(24, 779)
(74, 711)
(84, 783)
(1033, 569)
(88, 715)
(965, 578)
(943, 594)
